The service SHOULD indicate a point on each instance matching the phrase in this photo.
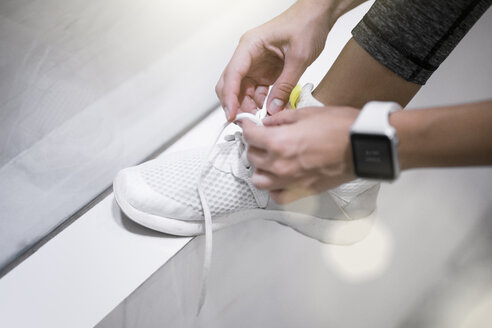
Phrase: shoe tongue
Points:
(225, 156)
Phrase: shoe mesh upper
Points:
(176, 175)
(348, 191)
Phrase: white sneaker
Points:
(196, 192)
(163, 195)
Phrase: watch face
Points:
(372, 156)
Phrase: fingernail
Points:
(276, 105)
(227, 113)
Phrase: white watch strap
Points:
(373, 118)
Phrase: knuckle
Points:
(282, 146)
(277, 148)
(247, 37)
(300, 56)
(244, 38)
(276, 144)
(229, 75)
(286, 169)
(270, 144)
(281, 169)
(285, 87)
(277, 168)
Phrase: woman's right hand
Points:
(276, 53)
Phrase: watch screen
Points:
(372, 156)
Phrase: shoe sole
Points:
(329, 231)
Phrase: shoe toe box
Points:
(131, 189)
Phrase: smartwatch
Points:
(375, 143)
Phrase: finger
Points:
(257, 157)
(219, 87)
(279, 95)
(230, 94)
(234, 73)
(260, 95)
(248, 88)
(218, 91)
(285, 196)
(287, 116)
(268, 181)
(246, 97)
(248, 105)
(271, 180)
(256, 136)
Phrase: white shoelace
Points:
(257, 118)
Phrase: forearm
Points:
(357, 78)
(445, 136)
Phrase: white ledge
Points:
(84, 272)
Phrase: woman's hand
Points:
(301, 152)
(276, 53)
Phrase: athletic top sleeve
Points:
(413, 37)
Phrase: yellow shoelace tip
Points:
(294, 96)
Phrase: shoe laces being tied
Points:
(237, 136)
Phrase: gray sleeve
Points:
(413, 37)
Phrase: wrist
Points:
(410, 131)
(341, 7)
(324, 11)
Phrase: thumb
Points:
(279, 95)
(287, 116)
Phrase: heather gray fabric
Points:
(413, 37)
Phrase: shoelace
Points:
(256, 118)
